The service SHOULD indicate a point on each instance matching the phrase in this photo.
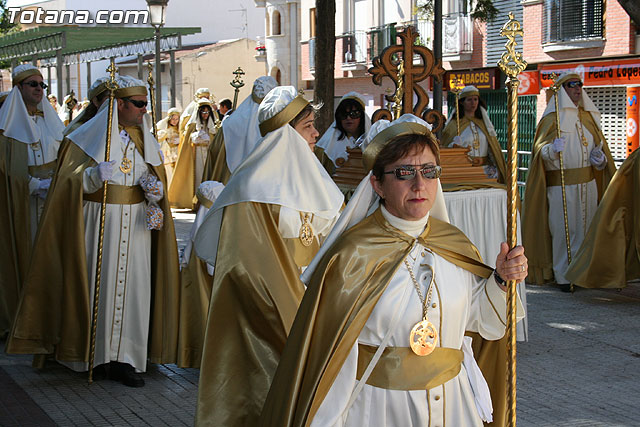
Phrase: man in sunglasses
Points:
(139, 281)
(587, 169)
(30, 134)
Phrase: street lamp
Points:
(156, 12)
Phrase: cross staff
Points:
(151, 83)
(512, 64)
(237, 83)
(111, 87)
(456, 86)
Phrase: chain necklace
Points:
(580, 130)
(125, 164)
(306, 233)
(476, 140)
(423, 337)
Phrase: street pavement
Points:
(580, 367)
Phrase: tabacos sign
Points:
(482, 79)
(605, 73)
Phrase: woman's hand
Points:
(511, 264)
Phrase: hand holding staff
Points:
(512, 64)
(111, 87)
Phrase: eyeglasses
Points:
(408, 172)
(34, 83)
(354, 114)
(573, 84)
(137, 104)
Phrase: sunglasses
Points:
(573, 84)
(34, 83)
(137, 104)
(408, 172)
(354, 114)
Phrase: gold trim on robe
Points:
(610, 253)
(54, 314)
(216, 168)
(15, 227)
(340, 297)
(536, 236)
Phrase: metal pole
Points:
(172, 71)
(140, 70)
(59, 75)
(67, 79)
(437, 52)
(158, 73)
(49, 80)
(512, 64)
(112, 86)
(88, 78)
(153, 109)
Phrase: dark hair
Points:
(401, 146)
(227, 103)
(202, 108)
(477, 113)
(302, 115)
(349, 104)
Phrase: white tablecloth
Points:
(482, 216)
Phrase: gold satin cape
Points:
(55, 311)
(451, 130)
(15, 227)
(536, 236)
(255, 295)
(216, 168)
(610, 253)
(183, 184)
(341, 295)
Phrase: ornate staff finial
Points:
(397, 99)
(512, 62)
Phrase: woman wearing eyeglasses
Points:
(350, 123)
(477, 133)
(192, 156)
(588, 168)
(379, 336)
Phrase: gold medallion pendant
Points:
(306, 233)
(423, 338)
(125, 165)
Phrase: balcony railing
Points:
(457, 31)
(424, 29)
(381, 37)
(354, 47)
(569, 20)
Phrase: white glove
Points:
(203, 135)
(43, 187)
(105, 170)
(456, 140)
(597, 158)
(558, 144)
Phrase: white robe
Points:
(460, 302)
(200, 139)
(582, 199)
(125, 286)
(468, 136)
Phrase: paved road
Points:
(580, 367)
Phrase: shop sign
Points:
(485, 78)
(602, 73)
(529, 83)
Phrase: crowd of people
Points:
(297, 308)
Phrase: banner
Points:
(601, 73)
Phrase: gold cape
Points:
(451, 131)
(341, 295)
(536, 236)
(183, 184)
(216, 168)
(254, 299)
(54, 315)
(610, 253)
(15, 226)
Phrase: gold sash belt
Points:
(202, 199)
(571, 176)
(399, 368)
(118, 195)
(43, 171)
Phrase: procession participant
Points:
(477, 133)
(263, 229)
(610, 253)
(354, 356)
(192, 155)
(202, 92)
(97, 95)
(225, 108)
(239, 135)
(350, 123)
(169, 139)
(196, 281)
(588, 167)
(67, 109)
(30, 134)
(53, 100)
(139, 285)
